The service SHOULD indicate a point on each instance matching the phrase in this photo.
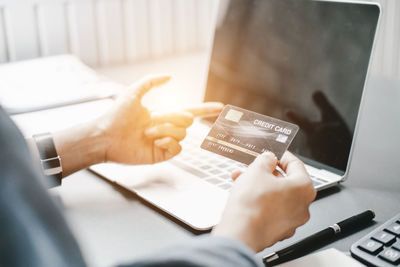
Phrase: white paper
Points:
(326, 258)
(51, 81)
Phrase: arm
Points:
(207, 250)
(33, 231)
(128, 133)
(263, 208)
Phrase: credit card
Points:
(242, 135)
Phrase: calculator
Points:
(381, 247)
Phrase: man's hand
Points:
(264, 207)
(129, 133)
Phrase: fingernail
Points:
(149, 131)
(270, 154)
(188, 114)
(161, 75)
(219, 104)
(157, 142)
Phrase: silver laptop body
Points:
(194, 186)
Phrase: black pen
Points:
(319, 239)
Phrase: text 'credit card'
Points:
(242, 135)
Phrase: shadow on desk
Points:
(130, 195)
(329, 191)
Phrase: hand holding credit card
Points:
(242, 135)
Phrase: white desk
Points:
(112, 227)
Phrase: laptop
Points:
(301, 61)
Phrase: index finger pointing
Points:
(206, 109)
(141, 87)
(180, 119)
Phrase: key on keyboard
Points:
(211, 168)
(381, 247)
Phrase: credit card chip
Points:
(233, 115)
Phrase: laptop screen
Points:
(301, 61)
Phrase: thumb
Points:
(267, 161)
(144, 85)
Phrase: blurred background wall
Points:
(104, 32)
(386, 61)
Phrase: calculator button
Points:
(371, 246)
(390, 255)
(396, 245)
(384, 237)
(394, 228)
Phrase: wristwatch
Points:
(51, 161)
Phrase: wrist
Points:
(80, 147)
(233, 232)
(97, 141)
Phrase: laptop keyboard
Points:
(210, 167)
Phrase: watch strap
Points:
(50, 160)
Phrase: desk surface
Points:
(113, 227)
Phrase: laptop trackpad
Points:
(179, 193)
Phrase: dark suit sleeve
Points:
(206, 250)
(32, 229)
(34, 233)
